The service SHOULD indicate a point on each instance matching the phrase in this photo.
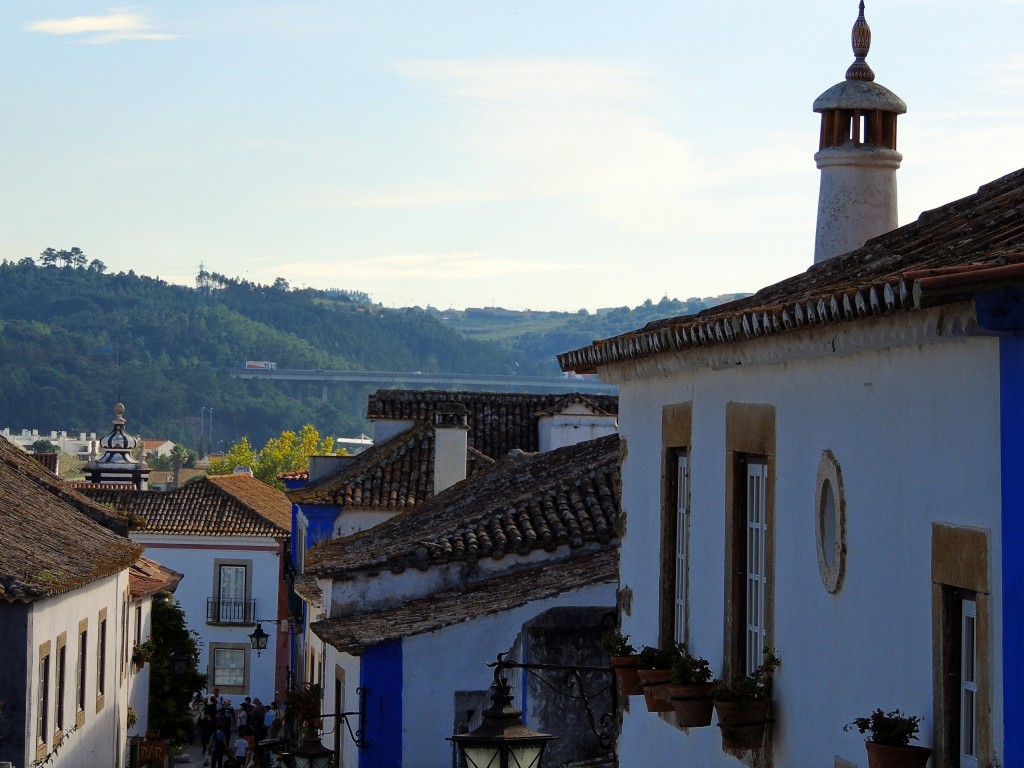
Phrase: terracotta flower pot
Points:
(654, 683)
(743, 723)
(886, 756)
(692, 704)
(625, 673)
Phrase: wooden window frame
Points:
(43, 700)
(83, 671)
(101, 658)
(60, 687)
(674, 609)
(750, 438)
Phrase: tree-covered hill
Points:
(74, 339)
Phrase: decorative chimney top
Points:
(118, 444)
(451, 415)
(117, 465)
(861, 39)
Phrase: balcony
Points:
(240, 612)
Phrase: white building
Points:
(229, 536)
(66, 607)
(830, 468)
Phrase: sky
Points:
(545, 155)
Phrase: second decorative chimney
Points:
(451, 433)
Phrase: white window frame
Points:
(756, 568)
(244, 651)
(681, 547)
(968, 684)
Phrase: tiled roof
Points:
(185, 475)
(396, 474)
(526, 502)
(355, 633)
(50, 539)
(498, 422)
(216, 505)
(893, 273)
(147, 577)
(307, 588)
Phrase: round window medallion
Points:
(830, 521)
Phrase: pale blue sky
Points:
(530, 154)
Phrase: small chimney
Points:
(451, 432)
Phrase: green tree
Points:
(286, 453)
(170, 695)
(241, 454)
(43, 446)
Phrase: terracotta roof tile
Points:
(526, 502)
(397, 474)
(147, 577)
(498, 422)
(217, 505)
(52, 539)
(974, 234)
(355, 633)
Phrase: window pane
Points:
(229, 667)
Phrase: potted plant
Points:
(889, 744)
(624, 659)
(143, 652)
(655, 673)
(690, 689)
(743, 705)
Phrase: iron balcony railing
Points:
(230, 611)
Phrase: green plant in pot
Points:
(690, 689)
(889, 745)
(624, 659)
(743, 704)
(143, 652)
(655, 672)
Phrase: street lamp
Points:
(178, 662)
(502, 740)
(311, 754)
(258, 639)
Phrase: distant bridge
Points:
(417, 380)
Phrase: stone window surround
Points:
(960, 561)
(750, 432)
(236, 690)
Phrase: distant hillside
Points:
(74, 339)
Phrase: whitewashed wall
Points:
(102, 740)
(916, 433)
(138, 680)
(453, 659)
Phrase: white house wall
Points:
(194, 556)
(138, 683)
(915, 432)
(437, 664)
(385, 588)
(102, 739)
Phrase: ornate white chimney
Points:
(856, 155)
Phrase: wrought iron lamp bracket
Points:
(603, 726)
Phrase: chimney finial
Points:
(861, 39)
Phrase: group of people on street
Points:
(230, 736)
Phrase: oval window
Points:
(830, 520)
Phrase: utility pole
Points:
(212, 445)
(202, 431)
